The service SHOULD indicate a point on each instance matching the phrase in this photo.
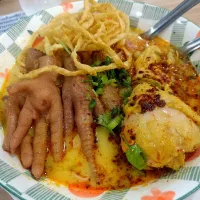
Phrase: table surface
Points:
(9, 6)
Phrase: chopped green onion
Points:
(136, 157)
(92, 104)
(111, 74)
(114, 122)
(116, 111)
(111, 120)
(88, 97)
(104, 79)
(112, 82)
(104, 119)
(94, 92)
(91, 81)
(108, 60)
(96, 63)
(127, 82)
(94, 83)
(125, 93)
(198, 91)
(65, 47)
(99, 91)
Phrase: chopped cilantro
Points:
(99, 91)
(88, 97)
(111, 120)
(135, 155)
(125, 93)
(114, 77)
(92, 104)
(96, 63)
(108, 60)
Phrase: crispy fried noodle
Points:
(98, 27)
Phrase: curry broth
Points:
(113, 169)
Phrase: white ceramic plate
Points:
(19, 182)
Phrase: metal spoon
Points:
(169, 18)
(190, 46)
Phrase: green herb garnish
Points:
(116, 111)
(92, 104)
(108, 60)
(88, 97)
(114, 77)
(104, 79)
(65, 47)
(111, 74)
(99, 91)
(94, 92)
(125, 93)
(114, 122)
(96, 63)
(135, 155)
(111, 120)
(124, 78)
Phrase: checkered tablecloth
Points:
(7, 21)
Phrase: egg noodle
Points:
(98, 27)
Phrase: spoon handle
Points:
(190, 46)
(170, 18)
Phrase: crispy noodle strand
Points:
(98, 27)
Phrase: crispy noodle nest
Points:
(97, 28)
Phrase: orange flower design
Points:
(4, 74)
(81, 190)
(67, 6)
(193, 155)
(158, 195)
(198, 35)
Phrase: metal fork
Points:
(169, 18)
(190, 46)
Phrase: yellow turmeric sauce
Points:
(113, 169)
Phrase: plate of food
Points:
(90, 110)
